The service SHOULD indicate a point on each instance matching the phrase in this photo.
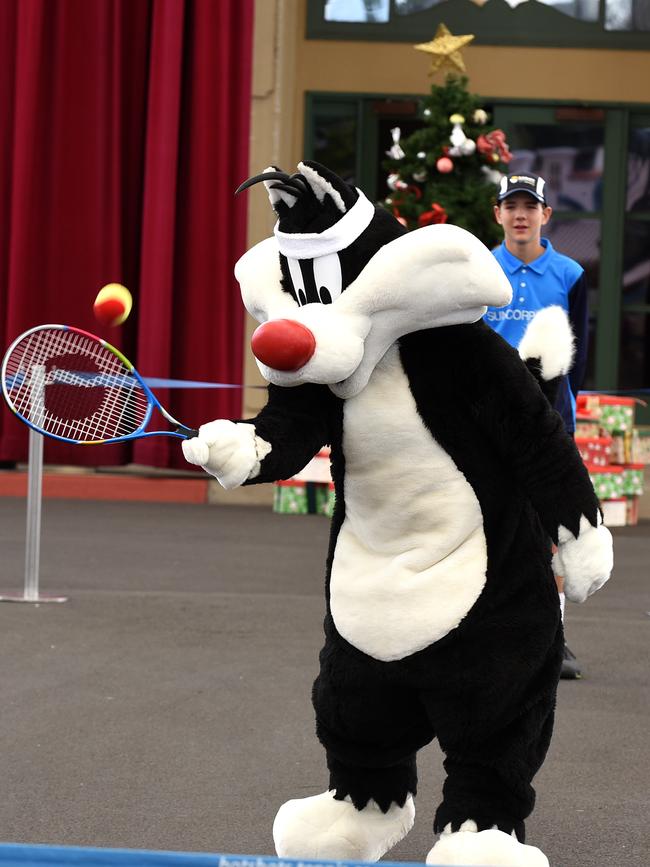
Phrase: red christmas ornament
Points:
(437, 214)
(444, 165)
(494, 144)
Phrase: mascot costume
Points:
(452, 475)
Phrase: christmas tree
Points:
(448, 170)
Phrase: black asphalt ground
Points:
(166, 705)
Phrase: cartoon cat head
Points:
(341, 280)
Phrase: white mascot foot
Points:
(323, 828)
(491, 848)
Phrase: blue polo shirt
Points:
(550, 279)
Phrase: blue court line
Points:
(25, 855)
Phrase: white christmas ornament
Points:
(421, 155)
(461, 145)
(394, 182)
(396, 152)
(480, 116)
(420, 176)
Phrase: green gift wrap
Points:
(617, 417)
(325, 500)
(290, 498)
(607, 481)
(614, 413)
(633, 479)
(295, 497)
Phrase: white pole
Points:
(34, 498)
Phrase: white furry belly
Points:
(411, 555)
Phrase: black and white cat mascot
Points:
(452, 474)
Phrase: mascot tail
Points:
(547, 349)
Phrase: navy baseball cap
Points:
(531, 184)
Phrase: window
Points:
(556, 23)
(634, 338)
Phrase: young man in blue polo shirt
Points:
(540, 277)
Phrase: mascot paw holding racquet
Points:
(228, 451)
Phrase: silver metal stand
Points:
(34, 500)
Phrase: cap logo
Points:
(512, 183)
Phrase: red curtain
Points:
(124, 132)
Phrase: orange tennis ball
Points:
(113, 304)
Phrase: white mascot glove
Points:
(585, 563)
(226, 450)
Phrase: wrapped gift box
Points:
(328, 501)
(614, 413)
(641, 447)
(290, 498)
(632, 479)
(309, 492)
(587, 425)
(295, 497)
(595, 450)
(317, 470)
(614, 512)
(621, 448)
(607, 480)
(632, 513)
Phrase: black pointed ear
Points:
(325, 182)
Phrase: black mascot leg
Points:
(490, 768)
(370, 726)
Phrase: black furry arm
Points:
(531, 439)
(550, 387)
(296, 423)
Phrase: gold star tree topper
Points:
(445, 48)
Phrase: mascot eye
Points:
(327, 276)
(298, 281)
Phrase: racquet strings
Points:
(69, 385)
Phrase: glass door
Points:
(634, 340)
(568, 151)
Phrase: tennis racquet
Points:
(73, 386)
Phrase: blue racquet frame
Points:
(15, 378)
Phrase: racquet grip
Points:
(188, 432)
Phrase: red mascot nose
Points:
(283, 344)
